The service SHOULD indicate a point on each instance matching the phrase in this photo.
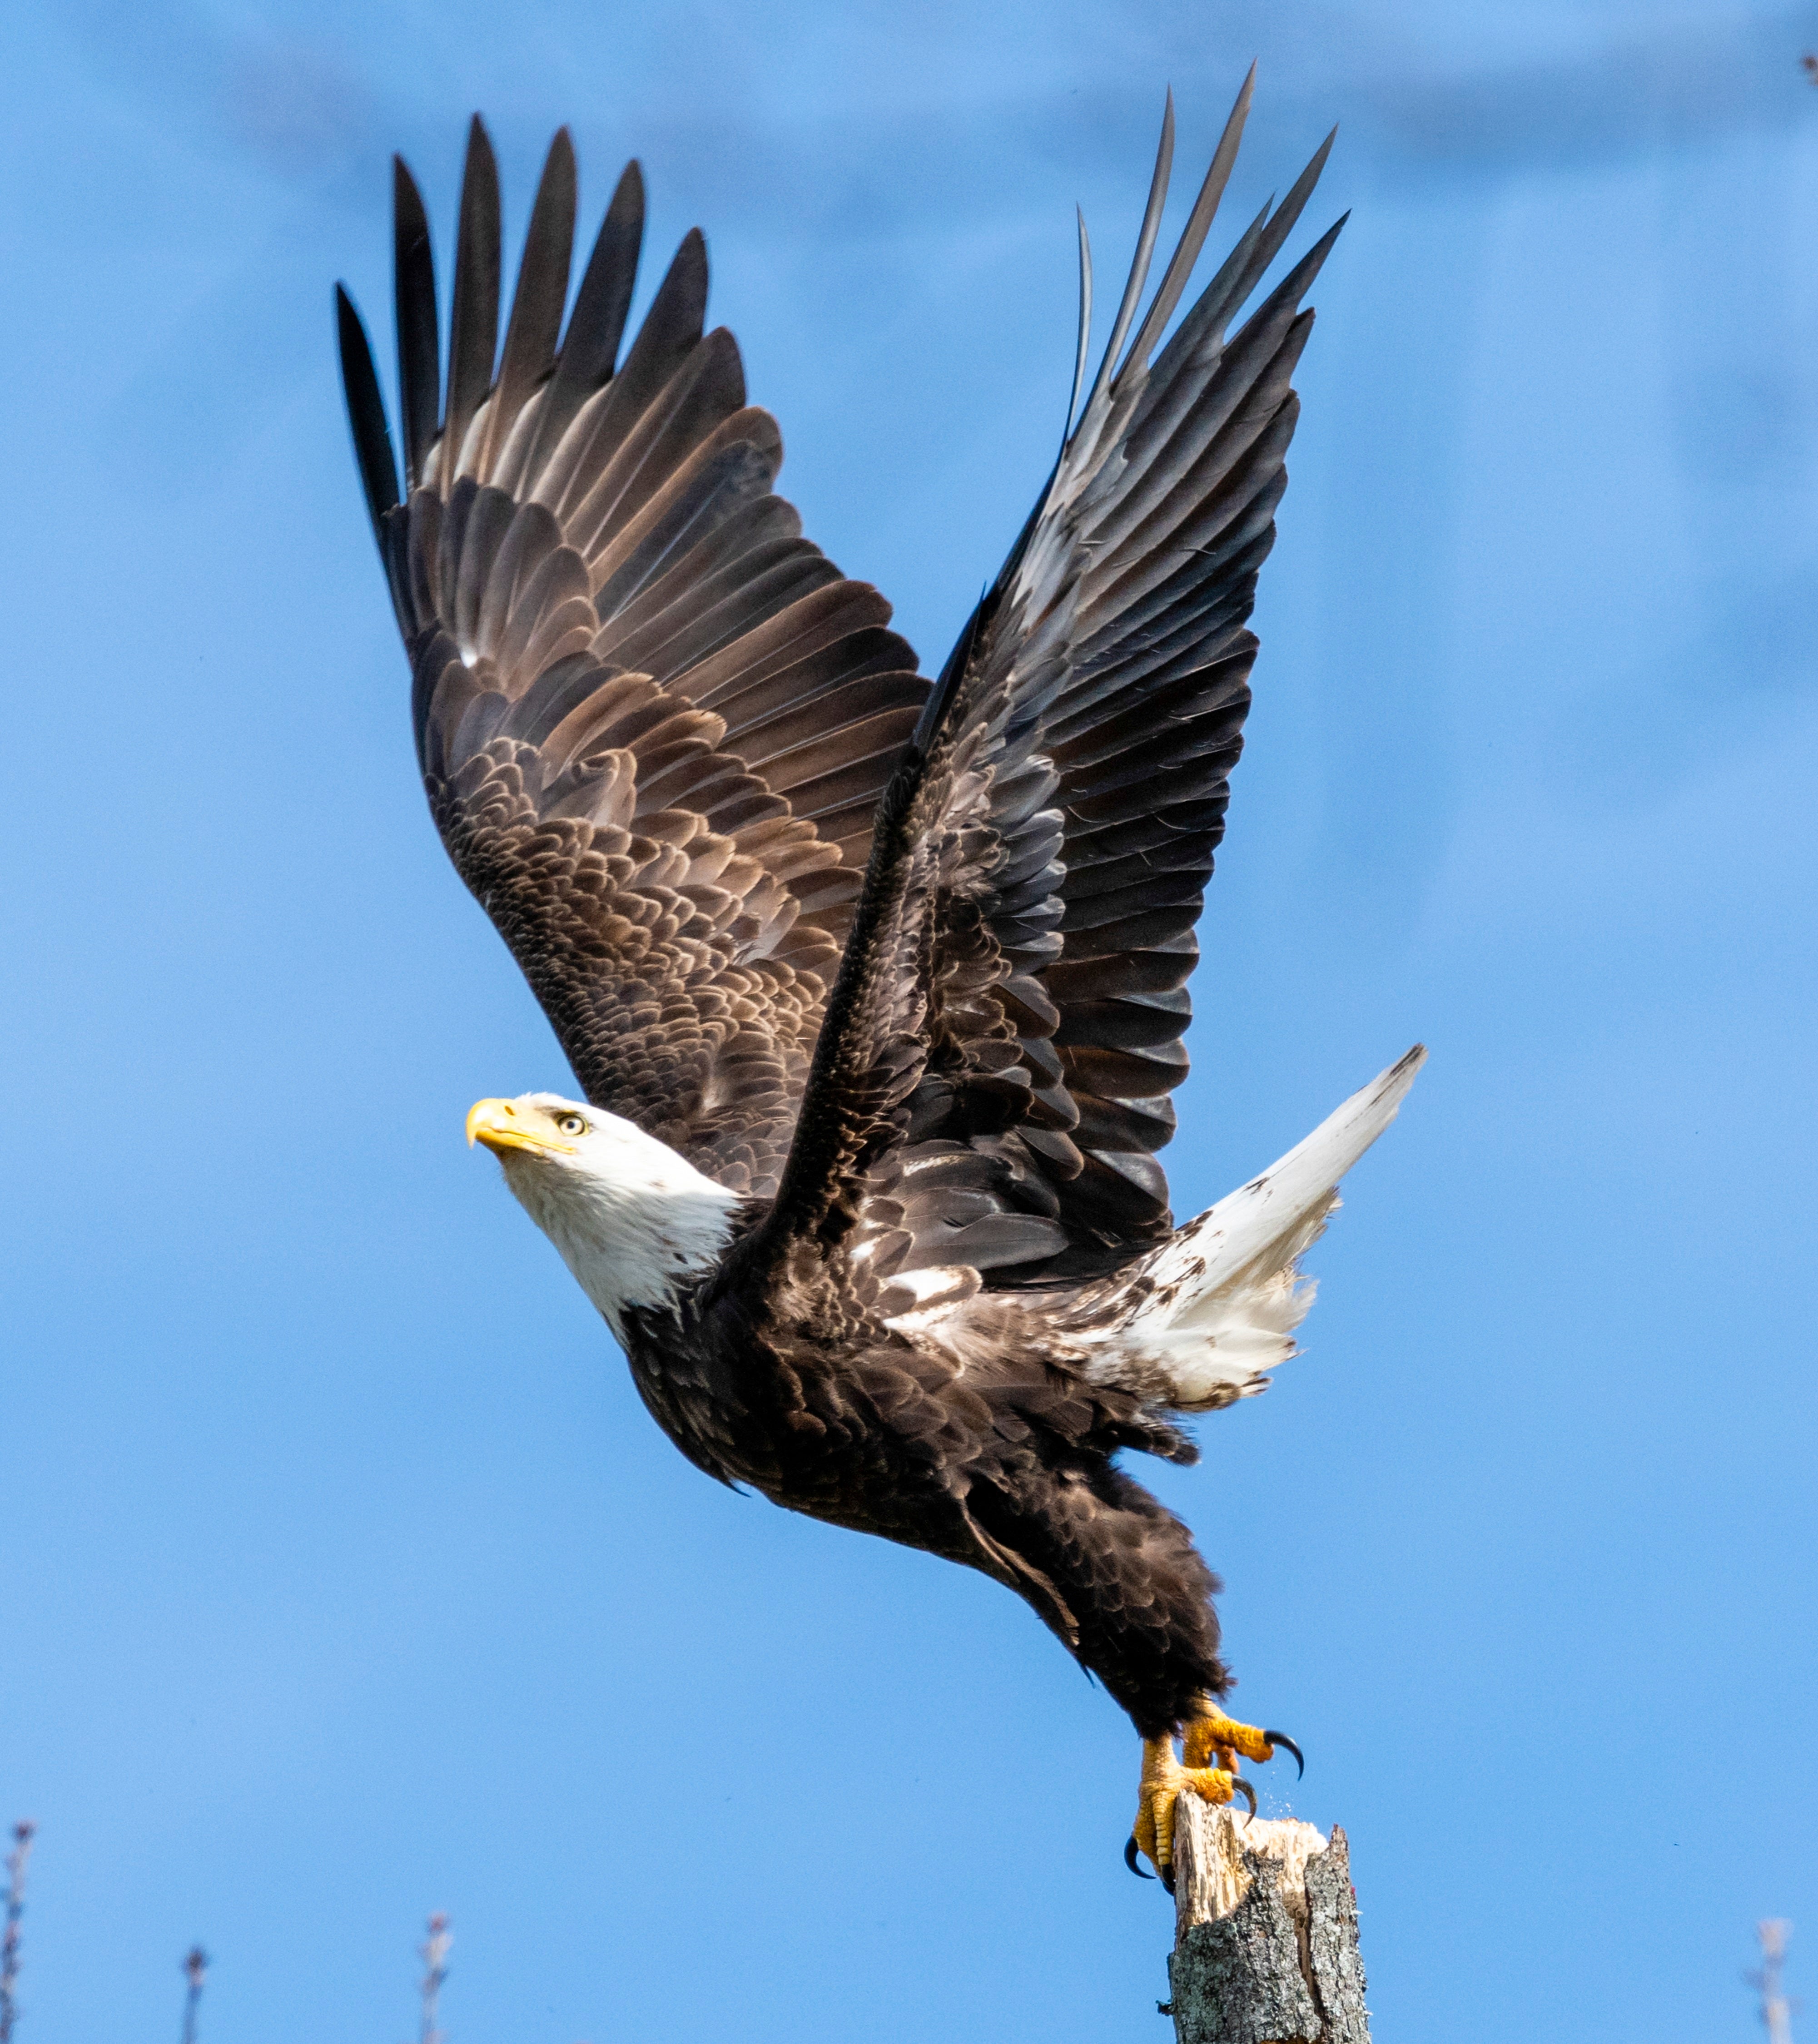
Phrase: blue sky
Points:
(343, 1576)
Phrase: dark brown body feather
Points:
(1006, 1468)
(906, 971)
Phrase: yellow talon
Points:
(1211, 1736)
(1216, 1732)
(1164, 1781)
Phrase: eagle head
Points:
(632, 1219)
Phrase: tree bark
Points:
(1266, 1932)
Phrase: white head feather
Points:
(631, 1218)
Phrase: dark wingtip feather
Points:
(1082, 345)
(560, 180)
(473, 336)
(1199, 224)
(1281, 225)
(417, 321)
(537, 304)
(365, 415)
(679, 309)
(1243, 269)
(597, 322)
(589, 350)
(1308, 267)
(1298, 282)
(1145, 250)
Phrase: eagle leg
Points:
(1165, 1779)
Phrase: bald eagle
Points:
(874, 988)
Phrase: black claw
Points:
(1130, 1861)
(1244, 1789)
(1281, 1738)
(1168, 1879)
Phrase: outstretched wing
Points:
(653, 720)
(993, 1078)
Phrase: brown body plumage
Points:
(902, 967)
(1003, 1464)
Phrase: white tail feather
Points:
(1214, 1309)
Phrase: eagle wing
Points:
(653, 720)
(993, 1077)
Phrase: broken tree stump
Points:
(1265, 1934)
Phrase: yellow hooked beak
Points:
(501, 1125)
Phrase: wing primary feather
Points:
(473, 326)
(1237, 275)
(597, 323)
(1198, 226)
(1299, 280)
(419, 328)
(1079, 353)
(1145, 248)
(672, 322)
(591, 347)
(366, 415)
(1281, 223)
(537, 304)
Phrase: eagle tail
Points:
(1208, 1313)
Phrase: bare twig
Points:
(195, 1972)
(23, 1834)
(434, 1953)
(1776, 2010)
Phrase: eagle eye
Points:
(570, 1124)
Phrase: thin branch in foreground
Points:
(434, 1954)
(195, 1972)
(1776, 2010)
(23, 1833)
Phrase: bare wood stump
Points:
(1266, 1932)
